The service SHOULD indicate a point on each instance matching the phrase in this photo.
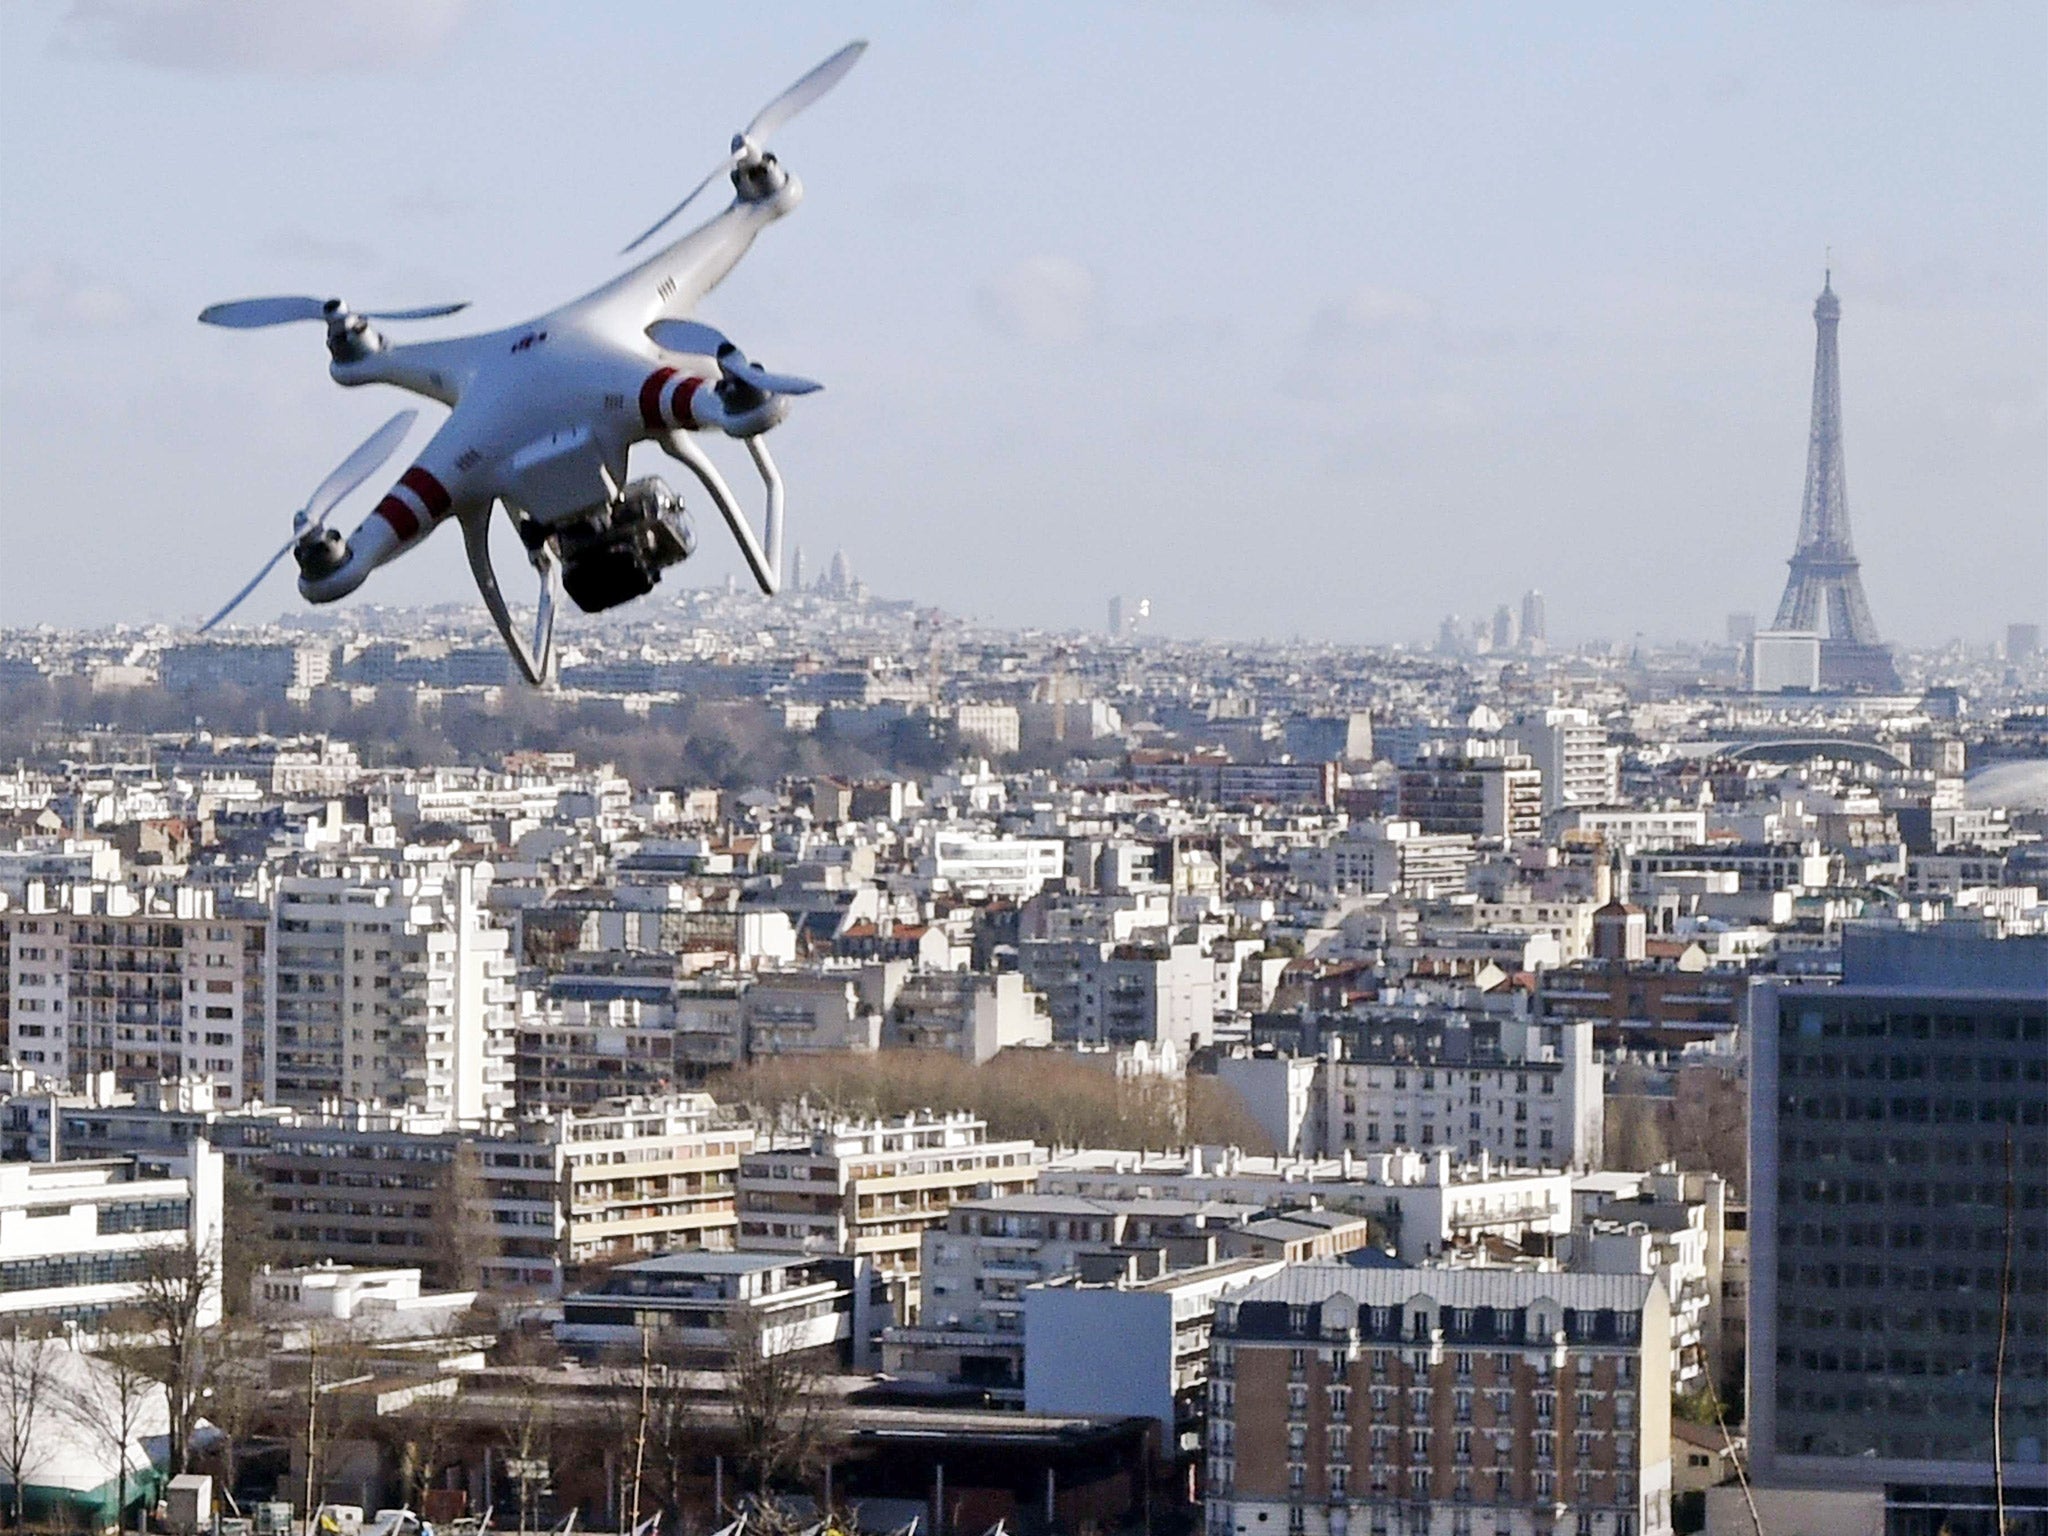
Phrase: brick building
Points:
(1447, 1402)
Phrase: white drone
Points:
(542, 416)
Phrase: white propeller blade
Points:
(771, 383)
(805, 91)
(358, 467)
(766, 121)
(693, 338)
(254, 582)
(352, 472)
(249, 314)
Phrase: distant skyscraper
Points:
(1116, 617)
(1824, 593)
(1504, 628)
(2022, 642)
(796, 570)
(1535, 630)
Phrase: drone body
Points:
(542, 416)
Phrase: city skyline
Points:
(1492, 322)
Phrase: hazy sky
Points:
(1297, 318)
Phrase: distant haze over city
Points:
(1296, 319)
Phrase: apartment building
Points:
(1482, 793)
(696, 1307)
(100, 977)
(79, 1239)
(1671, 1225)
(1423, 1401)
(1518, 1090)
(1426, 1207)
(392, 985)
(982, 865)
(1394, 857)
(965, 1014)
(575, 1191)
(871, 1189)
(586, 1040)
(978, 1264)
(1569, 747)
(797, 1013)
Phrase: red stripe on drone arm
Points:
(679, 403)
(432, 493)
(650, 398)
(399, 516)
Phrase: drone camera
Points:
(619, 553)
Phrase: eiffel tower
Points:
(1826, 578)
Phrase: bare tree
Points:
(777, 1405)
(466, 1223)
(29, 1381)
(109, 1400)
(179, 1289)
(237, 1391)
(246, 1245)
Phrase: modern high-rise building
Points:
(395, 987)
(1535, 628)
(2022, 642)
(1899, 1228)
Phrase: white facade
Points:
(76, 1238)
(1538, 1101)
(980, 863)
(1396, 858)
(1570, 748)
(395, 988)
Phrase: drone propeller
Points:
(249, 314)
(309, 519)
(747, 142)
(696, 339)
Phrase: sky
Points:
(1297, 318)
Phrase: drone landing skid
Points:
(536, 661)
(766, 564)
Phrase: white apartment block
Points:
(1670, 1225)
(1513, 1090)
(870, 1190)
(1570, 748)
(994, 727)
(76, 1238)
(1536, 1098)
(147, 986)
(974, 863)
(1629, 828)
(1393, 858)
(392, 987)
(620, 1180)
